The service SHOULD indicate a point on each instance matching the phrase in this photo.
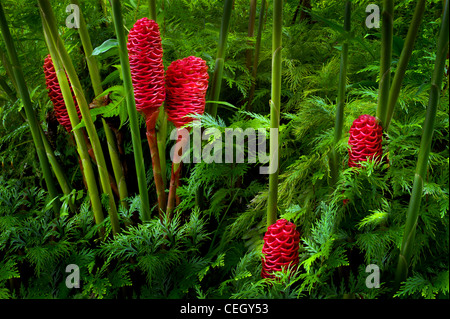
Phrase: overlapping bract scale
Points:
(186, 86)
(280, 249)
(55, 95)
(365, 140)
(147, 70)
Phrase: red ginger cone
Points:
(187, 82)
(147, 69)
(186, 86)
(280, 250)
(365, 140)
(55, 95)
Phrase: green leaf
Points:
(105, 46)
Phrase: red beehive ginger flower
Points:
(147, 69)
(55, 95)
(280, 249)
(186, 85)
(365, 140)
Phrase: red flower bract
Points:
(186, 85)
(147, 70)
(280, 250)
(55, 95)
(365, 140)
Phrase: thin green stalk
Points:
(256, 56)
(250, 33)
(394, 92)
(339, 120)
(57, 169)
(152, 9)
(131, 106)
(412, 214)
(94, 74)
(275, 110)
(48, 16)
(385, 60)
(28, 106)
(216, 82)
(88, 171)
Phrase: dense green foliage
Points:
(212, 247)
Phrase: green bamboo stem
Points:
(152, 9)
(131, 107)
(28, 106)
(256, 56)
(275, 109)
(385, 60)
(57, 169)
(251, 32)
(220, 59)
(339, 120)
(94, 74)
(394, 91)
(48, 16)
(88, 171)
(412, 214)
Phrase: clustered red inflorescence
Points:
(280, 249)
(186, 85)
(147, 69)
(365, 140)
(55, 95)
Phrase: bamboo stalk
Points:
(88, 171)
(131, 106)
(385, 60)
(220, 59)
(424, 151)
(339, 120)
(275, 109)
(152, 9)
(48, 16)
(251, 32)
(31, 117)
(256, 56)
(394, 91)
(94, 74)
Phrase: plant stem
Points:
(175, 173)
(28, 106)
(48, 15)
(256, 56)
(220, 59)
(88, 171)
(132, 112)
(275, 110)
(157, 174)
(152, 9)
(394, 92)
(339, 121)
(385, 60)
(424, 151)
(94, 74)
